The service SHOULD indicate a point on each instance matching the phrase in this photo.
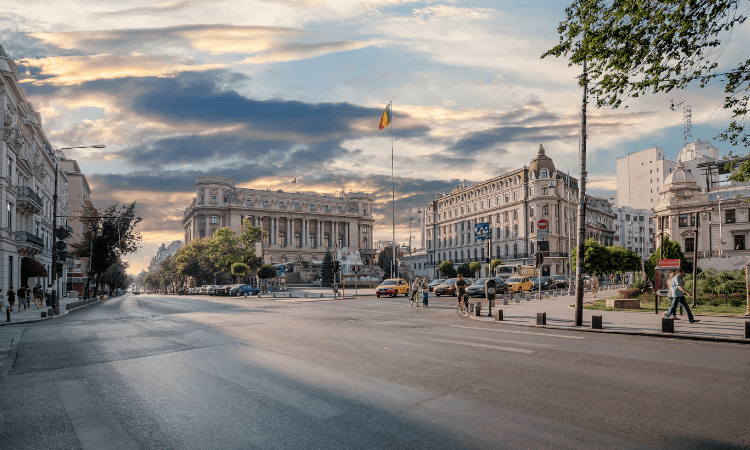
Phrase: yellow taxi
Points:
(520, 284)
(392, 287)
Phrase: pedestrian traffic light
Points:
(539, 258)
(336, 266)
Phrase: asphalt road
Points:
(196, 372)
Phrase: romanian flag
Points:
(386, 119)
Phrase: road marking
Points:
(532, 344)
(95, 426)
(493, 347)
(518, 332)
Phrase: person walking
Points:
(22, 298)
(415, 292)
(39, 296)
(595, 284)
(425, 288)
(11, 298)
(677, 292)
(2, 300)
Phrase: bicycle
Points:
(465, 309)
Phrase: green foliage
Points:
(326, 271)
(115, 277)
(446, 269)
(641, 282)
(672, 250)
(636, 47)
(465, 270)
(597, 259)
(385, 259)
(624, 260)
(240, 269)
(266, 271)
(494, 263)
(475, 267)
(712, 281)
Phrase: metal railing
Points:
(25, 191)
(25, 236)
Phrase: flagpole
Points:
(394, 271)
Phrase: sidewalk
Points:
(34, 314)
(561, 313)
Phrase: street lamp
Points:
(55, 299)
(419, 211)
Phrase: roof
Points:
(542, 161)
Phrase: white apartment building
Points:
(301, 226)
(79, 193)
(634, 230)
(162, 253)
(513, 204)
(27, 181)
(641, 175)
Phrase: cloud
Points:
(158, 8)
(449, 12)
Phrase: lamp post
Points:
(721, 237)
(419, 211)
(55, 300)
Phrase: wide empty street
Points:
(199, 372)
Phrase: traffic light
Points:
(539, 258)
(336, 265)
(59, 269)
(355, 268)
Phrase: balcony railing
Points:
(25, 236)
(26, 194)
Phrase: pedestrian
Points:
(2, 299)
(677, 292)
(11, 298)
(595, 284)
(612, 279)
(21, 298)
(39, 296)
(415, 292)
(425, 288)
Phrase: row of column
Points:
(336, 229)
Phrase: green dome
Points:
(542, 161)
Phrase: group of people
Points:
(25, 295)
(420, 286)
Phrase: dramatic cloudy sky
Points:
(263, 91)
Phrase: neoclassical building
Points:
(27, 181)
(513, 204)
(301, 226)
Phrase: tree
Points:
(109, 233)
(240, 269)
(192, 261)
(171, 280)
(446, 269)
(494, 263)
(597, 259)
(636, 47)
(624, 260)
(465, 270)
(385, 259)
(326, 271)
(266, 271)
(475, 267)
(672, 250)
(115, 277)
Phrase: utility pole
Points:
(581, 207)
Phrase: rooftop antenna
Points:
(687, 120)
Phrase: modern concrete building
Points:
(302, 226)
(634, 230)
(28, 177)
(513, 205)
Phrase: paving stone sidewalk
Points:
(34, 314)
(560, 314)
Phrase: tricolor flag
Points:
(294, 180)
(386, 119)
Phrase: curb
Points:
(43, 319)
(630, 333)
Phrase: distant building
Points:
(162, 253)
(634, 230)
(79, 193)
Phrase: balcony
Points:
(28, 244)
(28, 200)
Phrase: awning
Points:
(30, 267)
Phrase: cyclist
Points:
(461, 290)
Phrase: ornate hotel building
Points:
(513, 204)
(301, 226)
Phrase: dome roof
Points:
(679, 176)
(542, 161)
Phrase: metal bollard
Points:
(518, 299)
(528, 298)
(499, 315)
(478, 309)
(747, 330)
(596, 322)
(57, 311)
(44, 314)
(541, 318)
(7, 313)
(667, 325)
(505, 300)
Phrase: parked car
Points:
(210, 290)
(520, 284)
(477, 288)
(392, 287)
(547, 283)
(202, 290)
(242, 289)
(561, 281)
(136, 293)
(435, 283)
(224, 290)
(447, 287)
(181, 291)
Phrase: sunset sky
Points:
(265, 91)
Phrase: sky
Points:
(265, 91)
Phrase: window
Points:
(627, 216)
(281, 203)
(683, 220)
(341, 209)
(265, 202)
(225, 199)
(296, 205)
(507, 198)
(739, 242)
(36, 228)
(214, 218)
(507, 231)
(364, 228)
(203, 198)
(545, 190)
(10, 216)
(364, 211)
(312, 207)
(531, 210)
(213, 199)
(250, 202)
(730, 216)
(689, 244)
(544, 173)
(545, 210)
(203, 219)
(515, 214)
(10, 166)
(203, 233)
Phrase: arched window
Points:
(515, 249)
(544, 173)
(364, 242)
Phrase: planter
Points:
(624, 303)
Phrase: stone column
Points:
(335, 232)
(288, 232)
(291, 232)
(306, 227)
(320, 233)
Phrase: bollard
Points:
(518, 299)
(596, 322)
(667, 325)
(541, 318)
(747, 330)
(505, 300)
(44, 313)
(528, 297)
(499, 315)
(57, 311)
(67, 307)
(478, 309)
(274, 295)
(305, 294)
(50, 312)
(321, 295)
(7, 313)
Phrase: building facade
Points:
(720, 215)
(301, 226)
(79, 193)
(513, 205)
(28, 182)
(162, 253)
(634, 230)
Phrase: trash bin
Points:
(490, 290)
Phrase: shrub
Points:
(629, 293)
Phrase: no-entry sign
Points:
(542, 224)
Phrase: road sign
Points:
(542, 234)
(482, 231)
(542, 224)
